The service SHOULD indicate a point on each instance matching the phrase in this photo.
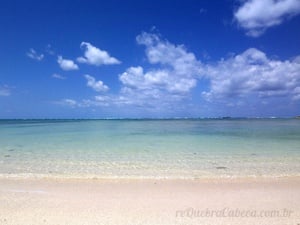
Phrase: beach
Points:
(172, 112)
(122, 201)
(168, 172)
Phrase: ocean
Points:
(159, 149)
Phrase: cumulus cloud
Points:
(98, 86)
(96, 56)
(252, 73)
(66, 64)
(5, 91)
(162, 52)
(258, 15)
(166, 84)
(173, 73)
(177, 70)
(34, 55)
(160, 80)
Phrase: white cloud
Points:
(160, 80)
(34, 55)
(252, 73)
(296, 93)
(257, 15)
(5, 91)
(177, 72)
(250, 77)
(184, 63)
(98, 86)
(66, 64)
(58, 76)
(174, 74)
(68, 102)
(96, 56)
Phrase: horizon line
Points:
(158, 118)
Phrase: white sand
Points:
(72, 202)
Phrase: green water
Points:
(188, 149)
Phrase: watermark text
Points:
(230, 212)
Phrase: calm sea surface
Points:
(188, 149)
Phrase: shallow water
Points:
(150, 148)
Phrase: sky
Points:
(149, 59)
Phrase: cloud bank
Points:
(253, 73)
(255, 16)
(173, 73)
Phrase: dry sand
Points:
(176, 202)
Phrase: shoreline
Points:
(214, 179)
(166, 202)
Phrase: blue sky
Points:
(167, 58)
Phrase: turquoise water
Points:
(188, 149)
